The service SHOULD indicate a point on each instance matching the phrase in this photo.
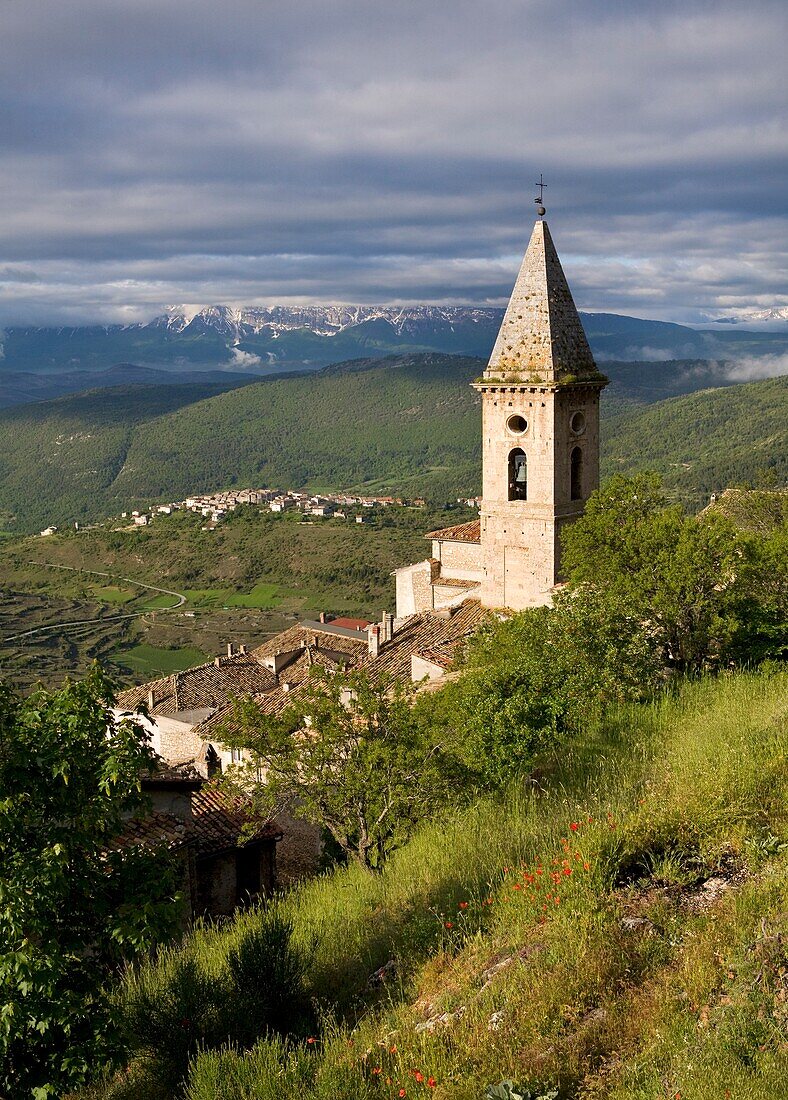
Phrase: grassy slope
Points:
(410, 424)
(637, 983)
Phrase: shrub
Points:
(211, 992)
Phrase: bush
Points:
(211, 992)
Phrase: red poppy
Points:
(448, 924)
(402, 1093)
(463, 905)
(431, 1082)
(311, 1040)
(418, 1076)
(574, 826)
(376, 1071)
(567, 870)
(392, 1050)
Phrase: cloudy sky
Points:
(259, 151)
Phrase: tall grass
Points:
(552, 922)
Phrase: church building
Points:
(540, 453)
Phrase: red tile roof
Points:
(462, 532)
(351, 624)
(220, 821)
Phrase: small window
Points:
(517, 424)
(213, 762)
(577, 423)
(236, 755)
(576, 474)
(518, 475)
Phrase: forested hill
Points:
(408, 424)
(706, 441)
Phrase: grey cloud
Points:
(251, 151)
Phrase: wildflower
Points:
(402, 1093)
(517, 886)
(463, 905)
(392, 1050)
(418, 1076)
(567, 870)
(431, 1082)
(376, 1072)
(310, 1041)
(448, 924)
(574, 826)
(557, 900)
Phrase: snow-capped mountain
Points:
(320, 320)
(276, 339)
(754, 316)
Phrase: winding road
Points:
(62, 627)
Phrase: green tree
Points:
(73, 906)
(348, 756)
(681, 576)
(532, 679)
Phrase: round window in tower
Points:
(517, 424)
(577, 423)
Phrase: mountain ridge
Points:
(262, 340)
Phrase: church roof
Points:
(461, 532)
(541, 336)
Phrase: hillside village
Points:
(540, 400)
(214, 507)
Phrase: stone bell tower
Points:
(540, 432)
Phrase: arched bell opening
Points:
(518, 474)
(576, 474)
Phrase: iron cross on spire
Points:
(540, 200)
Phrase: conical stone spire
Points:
(541, 338)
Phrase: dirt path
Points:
(62, 627)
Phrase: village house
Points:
(186, 713)
(225, 857)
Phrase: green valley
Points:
(407, 424)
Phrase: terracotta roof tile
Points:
(219, 821)
(427, 630)
(461, 532)
(298, 636)
(155, 830)
(202, 687)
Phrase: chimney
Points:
(285, 687)
(322, 616)
(242, 650)
(388, 626)
(175, 691)
(218, 662)
(374, 640)
(229, 649)
(151, 699)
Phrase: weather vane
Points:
(540, 210)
